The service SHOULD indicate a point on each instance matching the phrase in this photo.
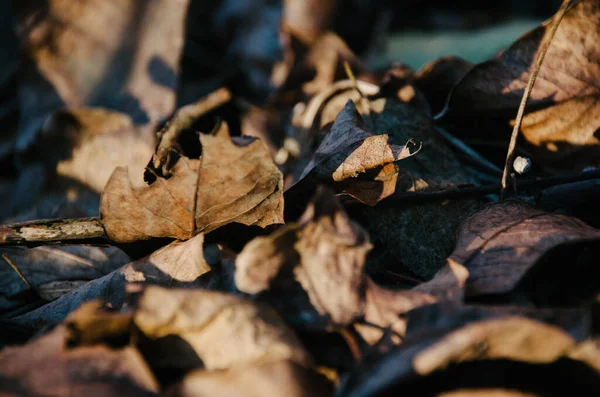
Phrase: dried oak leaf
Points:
(278, 378)
(47, 366)
(324, 252)
(234, 181)
(509, 245)
(42, 266)
(74, 60)
(451, 347)
(561, 121)
(177, 264)
(350, 150)
(224, 331)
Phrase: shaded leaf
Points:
(279, 378)
(253, 194)
(179, 263)
(503, 242)
(561, 119)
(324, 252)
(224, 331)
(46, 366)
(42, 266)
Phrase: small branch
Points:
(545, 44)
(52, 231)
(478, 191)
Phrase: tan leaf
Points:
(46, 366)
(561, 119)
(235, 181)
(279, 378)
(77, 56)
(224, 330)
(179, 263)
(325, 252)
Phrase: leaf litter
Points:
(303, 224)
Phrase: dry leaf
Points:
(179, 263)
(325, 252)
(561, 119)
(47, 367)
(97, 141)
(503, 242)
(224, 330)
(437, 79)
(237, 183)
(278, 378)
(42, 266)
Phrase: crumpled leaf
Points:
(505, 244)
(350, 150)
(47, 366)
(75, 60)
(561, 118)
(47, 264)
(448, 347)
(177, 264)
(324, 252)
(235, 181)
(279, 378)
(225, 331)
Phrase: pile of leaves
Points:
(224, 199)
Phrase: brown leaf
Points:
(224, 331)
(179, 263)
(235, 181)
(44, 265)
(97, 141)
(74, 59)
(46, 366)
(503, 242)
(561, 120)
(279, 378)
(325, 252)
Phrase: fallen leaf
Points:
(177, 264)
(324, 252)
(95, 141)
(279, 378)
(42, 266)
(504, 244)
(74, 60)
(561, 119)
(437, 79)
(47, 366)
(225, 331)
(308, 20)
(452, 347)
(166, 208)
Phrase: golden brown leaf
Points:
(235, 181)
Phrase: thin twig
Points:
(50, 231)
(546, 41)
(17, 270)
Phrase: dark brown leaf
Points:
(561, 120)
(503, 242)
(325, 252)
(235, 181)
